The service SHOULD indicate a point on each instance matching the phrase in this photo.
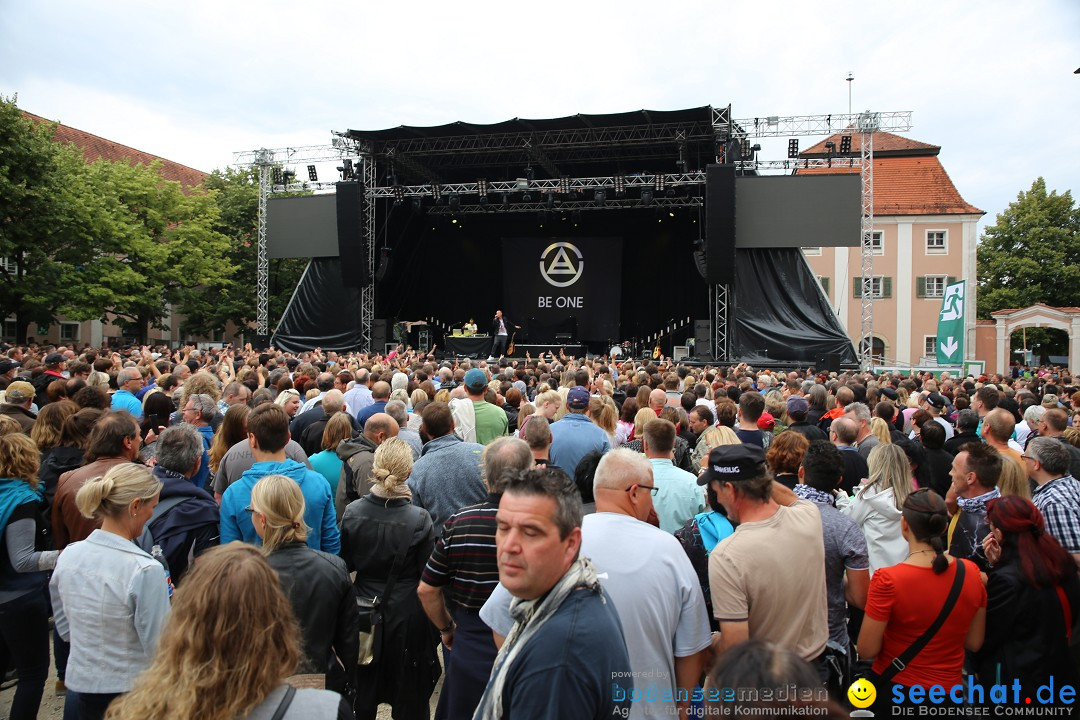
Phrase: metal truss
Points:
(718, 295)
(565, 206)
(808, 125)
(367, 293)
(341, 148)
(262, 284)
(867, 126)
(658, 183)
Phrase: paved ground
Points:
(52, 707)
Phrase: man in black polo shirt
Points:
(464, 564)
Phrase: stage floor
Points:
(480, 347)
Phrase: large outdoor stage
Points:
(587, 232)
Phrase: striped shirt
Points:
(464, 557)
(1059, 502)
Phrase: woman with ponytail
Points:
(316, 583)
(905, 600)
(1033, 600)
(386, 539)
(110, 599)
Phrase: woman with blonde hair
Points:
(226, 653)
(49, 424)
(880, 428)
(24, 572)
(290, 400)
(1013, 479)
(641, 419)
(110, 599)
(714, 437)
(387, 540)
(316, 583)
(877, 504)
(547, 404)
(418, 396)
(602, 412)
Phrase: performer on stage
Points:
(470, 328)
(500, 328)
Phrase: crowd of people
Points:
(198, 533)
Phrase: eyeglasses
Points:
(651, 488)
(249, 509)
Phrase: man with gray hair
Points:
(325, 383)
(235, 393)
(1058, 493)
(865, 440)
(129, 381)
(197, 412)
(185, 520)
(464, 568)
(396, 409)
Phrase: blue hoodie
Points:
(319, 514)
(199, 479)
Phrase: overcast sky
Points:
(992, 83)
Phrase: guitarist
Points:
(500, 330)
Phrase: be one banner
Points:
(564, 282)
(950, 332)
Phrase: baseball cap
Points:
(766, 421)
(796, 404)
(577, 398)
(19, 391)
(475, 379)
(936, 400)
(733, 462)
(7, 366)
(54, 359)
(890, 393)
(1050, 400)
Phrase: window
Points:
(7, 265)
(932, 286)
(824, 280)
(811, 251)
(881, 287)
(937, 242)
(930, 346)
(11, 329)
(69, 331)
(877, 242)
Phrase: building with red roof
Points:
(924, 238)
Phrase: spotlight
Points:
(484, 201)
(399, 194)
(436, 192)
(482, 187)
(416, 204)
(659, 183)
(347, 169)
(455, 201)
(601, 197)
(506, 201)
(746, 152)
(277, 175)
(311, 174)
(620, 185)
(646, 197)
(830, 148)
(564, 185)
(845, 144)
(793, 148)
(530, 174)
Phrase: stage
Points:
(480, 347)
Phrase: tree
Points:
(45, 217)
(155, 248)
(236, 193)
(1031, 254)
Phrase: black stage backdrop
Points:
(563, 285)
(457, 271)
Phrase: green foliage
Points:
(236, 193)
(1032, 253)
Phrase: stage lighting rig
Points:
(646, 197)
(601, 198)
(436, 192)
(845, 144)
(312, 175)
(793, 148)
(620, 185)
(399, 194)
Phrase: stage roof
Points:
(641, 141)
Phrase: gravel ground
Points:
(52, 707)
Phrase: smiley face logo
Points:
(862, 693)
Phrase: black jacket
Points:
(324, 602)
(953, 444)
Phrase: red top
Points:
(909, 599)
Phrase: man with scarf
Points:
(567, 635)
(975, 472)
(185, 520)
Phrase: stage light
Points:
(417, 205)
(793, 148)
(530, 174)
(436, 192)
(564, 185)
(455, 202)
(745, 151)
(484, 201)
(506, 201)
(845, 144)
(646, 197)
(670, 214)
(454, 221)
(522, 184)
(601, 198)
(830, 148)
(347, 169)
(482, 187)
(312, 175)
(399, 194)
(620, 185)
(277, 175)
(550, 201)
(659, 183)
